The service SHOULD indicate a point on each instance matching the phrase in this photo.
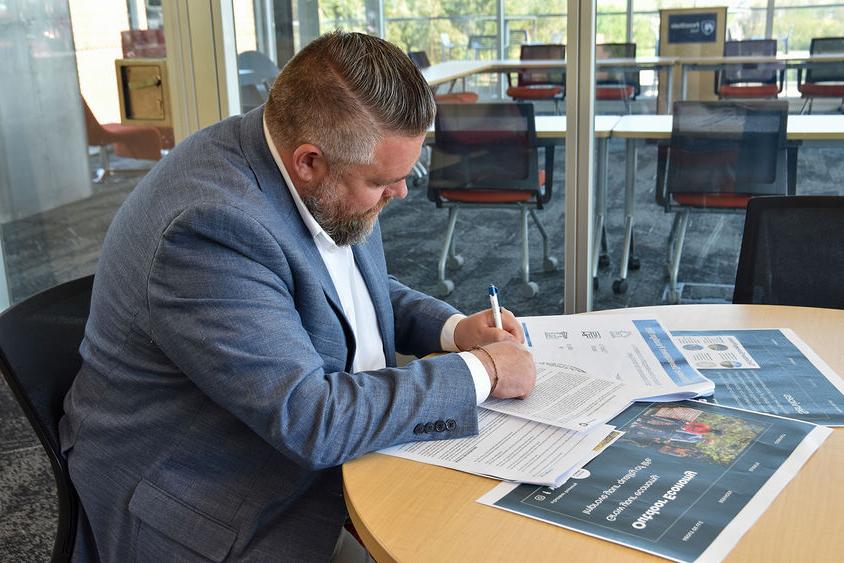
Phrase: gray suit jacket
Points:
(215, 403)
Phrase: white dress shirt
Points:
(356, 301)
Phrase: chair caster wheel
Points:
(603, 261)
(528, 290)
(444, 288)
(595, 283)
(634, 263)
(455, 262)
(619, 286)
(550, 264)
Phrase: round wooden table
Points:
(408, 511)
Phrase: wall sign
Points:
(692, 28)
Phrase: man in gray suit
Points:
(243, 330)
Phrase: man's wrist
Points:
(479, 374)
(447, 333)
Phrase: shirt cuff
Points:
(447, 334)
(479, 376)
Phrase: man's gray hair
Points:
(343, 92)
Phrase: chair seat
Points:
(721, 201)
(131, 141)
(492, 196)
(758, 91)
(457, 98)
(821, 90)
(534, 92)
(614, 92)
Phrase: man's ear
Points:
(309, 164)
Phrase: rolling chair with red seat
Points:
(822, 81)
(615, 84)
(539, 85)
(131, 141)
(486, 156)
(764, 80)
(720, 155)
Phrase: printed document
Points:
(512, 449)
(685, 481)
(591, 367)
(766, 370)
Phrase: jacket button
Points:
(450, 424)
(429, 427)
(419, 429)
(439, 426)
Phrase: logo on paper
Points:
(591, 334)
(556, 335)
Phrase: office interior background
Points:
(56, 56)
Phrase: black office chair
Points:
(256, 74)
(792, 252)
(822, 80)
(486, 156)
(720, 155)
(39, 358)
(621, 85)
(533, 85)
(763, 80)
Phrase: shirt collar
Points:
(313, 226)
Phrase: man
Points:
(243, 329)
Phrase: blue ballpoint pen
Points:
(496, 309)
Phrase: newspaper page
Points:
(685, 481)
(766, 370)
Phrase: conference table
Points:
(450, 71)
(633, 128)
(409, 511)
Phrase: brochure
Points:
(684, 482)
(766, 370)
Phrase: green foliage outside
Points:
(443, 28)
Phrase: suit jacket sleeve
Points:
(419, 319)
(225, 308)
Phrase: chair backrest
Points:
(258, 67)
(485, 146)
(761, 73)
(728, 147)
(97, 135)
(615, 77)
(419, 58)
(39, 358)
(832, 72)
(550, 51)
(792, 252)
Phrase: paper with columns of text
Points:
(591, 367)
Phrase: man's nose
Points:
(398, 190)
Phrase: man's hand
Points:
(514, 365)
(479, 329)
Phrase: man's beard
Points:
(328, 209)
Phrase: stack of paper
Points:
(589, 369)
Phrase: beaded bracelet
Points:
(494, 367)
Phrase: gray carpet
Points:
(63, 244)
